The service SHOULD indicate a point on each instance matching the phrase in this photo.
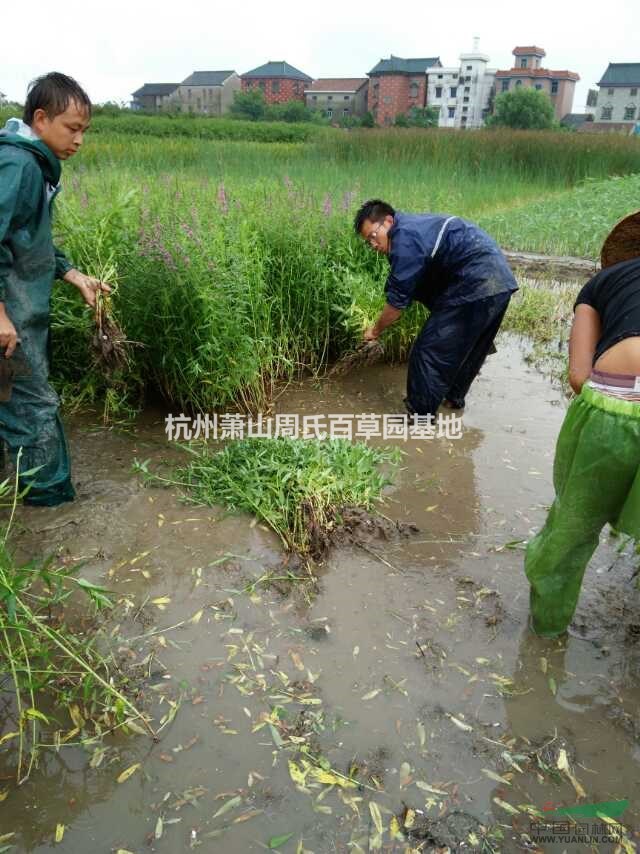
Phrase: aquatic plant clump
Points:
(296, 486)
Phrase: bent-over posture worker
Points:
(596, 470)
(461, 275)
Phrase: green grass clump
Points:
(296, 486)
(47, 665)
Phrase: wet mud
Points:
(391, 698)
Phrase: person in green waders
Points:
(596, 471)
(56, 115)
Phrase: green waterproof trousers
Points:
(596, 477)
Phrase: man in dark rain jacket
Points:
(56, 115)
(461, 275)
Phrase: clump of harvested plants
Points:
(366, 353)
(296, 486)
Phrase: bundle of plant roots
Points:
(366, 353)
(109, 343)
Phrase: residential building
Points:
(528, 71)
(153, 97)
(463, 93)
(396, 85)
(576, 121)
(206, 92)
(338, 97)
(618, 101)
(279, 81)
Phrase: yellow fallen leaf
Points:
(374, 809)
(371, 694)
(196, 617)
(297, 775)
(3, 795)
(506, 807)
(59, 832)
(161, 600)
(128, 773)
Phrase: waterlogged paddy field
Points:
(408, 665)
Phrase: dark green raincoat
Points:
(29, 263)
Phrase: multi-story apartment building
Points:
(462, 93)
(527, 71)
(279, 81)
(338, 97)
(396, 85)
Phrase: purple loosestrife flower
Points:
(327, 207)
(347, 200)
(222, 199)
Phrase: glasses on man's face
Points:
(373, 235)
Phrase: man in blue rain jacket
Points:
(460, 274)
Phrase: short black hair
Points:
(374, 210)
(53, 93)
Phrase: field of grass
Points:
(236, 262)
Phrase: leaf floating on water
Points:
(422, 734)
(229, 805)
(427, 788)
(59, 832)
(277, 841)
(563, 765)
(371, 694)
(159, 828)
(374, 809)
(128, 773)
(247, 815)
(161, 602)
(460, 724)
(552, 685)
(196, 617)
(493, 776)
(405, 774)
(506, 807)
(544, 665)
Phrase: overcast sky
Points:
(114, 47)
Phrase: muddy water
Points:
(411, 664)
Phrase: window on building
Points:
(438, 91)
(469, 67)
(518, 82)
(345, 112)
(275, 86)
(329, 114)
(439, 76)
(465, 109)
(467, 89)
(387, 99)
(189, 94)
(463, 121)
(452, 112)
(413, 90)
(453, 91)
(465, 100)
(554, 87)
(633, 92)
(263, 85)
(630, 113)
(538, 86)
(467, 79)
(523, 62)
(329, 97)
(505, 85)
(607, 112)
(346, 97)
(609, 91)
(314, 97)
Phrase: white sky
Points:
(113, 48)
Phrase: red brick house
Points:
(396, 85)
(527, 71)
(279, 81)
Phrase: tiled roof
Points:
(278, 69)
(207, 78)
(338, 84)
(621, 74)
(155, 89)
(398, 65)
(539, 72)
(576, 120)
(527, 51)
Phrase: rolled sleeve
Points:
(409, 262)
(63, 265)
